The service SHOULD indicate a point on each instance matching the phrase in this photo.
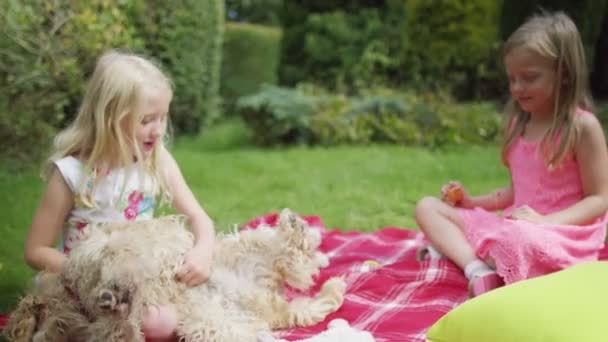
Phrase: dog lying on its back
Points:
(120, 268)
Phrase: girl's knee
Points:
(427, 205)
(159, 323)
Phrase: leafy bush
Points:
(405, 119)
(48, 49)
(250, 59)
(278, 115)
(342, 45)
(452, 44)
(309, 115)
(186, 36)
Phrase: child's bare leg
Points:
(441, 225)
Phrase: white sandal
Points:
(428, 252)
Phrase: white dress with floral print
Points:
(122, 195)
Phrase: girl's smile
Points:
(153, 123)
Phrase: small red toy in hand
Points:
(454, 194)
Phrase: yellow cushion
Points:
(570, 305)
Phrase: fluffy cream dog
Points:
(118, 269)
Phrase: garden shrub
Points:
(278, 115)
(250, 59)
(427, 45)
(309, 115)
(452, 44)
(48, 50)
(341, 45)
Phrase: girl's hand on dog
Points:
(196, 267)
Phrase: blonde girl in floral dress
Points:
(111, 164)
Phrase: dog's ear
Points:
(288, 220)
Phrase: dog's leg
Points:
(307, 311)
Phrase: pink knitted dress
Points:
(523, 249)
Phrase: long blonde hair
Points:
(103, 132)
(553, 36)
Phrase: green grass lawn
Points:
(350, 188)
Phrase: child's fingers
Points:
(444, 191)
(183, 272)
(185, 276)
(450, 185)
(189, 278)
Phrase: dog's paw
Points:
(334, 285)
(332, 293)
(321, 259)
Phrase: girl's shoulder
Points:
(589, 131)
(69, 161)
(72, 171)
(586, 121)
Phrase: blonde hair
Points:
(553, 36)
(103, 132)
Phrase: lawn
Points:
(351, 188)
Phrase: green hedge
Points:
(186, 36)
(250, 59)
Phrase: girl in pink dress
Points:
(553, 212)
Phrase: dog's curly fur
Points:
(119, 269)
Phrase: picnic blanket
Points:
(389, 293)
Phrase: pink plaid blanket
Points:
(389, 293)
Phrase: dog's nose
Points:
(105, 300)
(106, 296)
